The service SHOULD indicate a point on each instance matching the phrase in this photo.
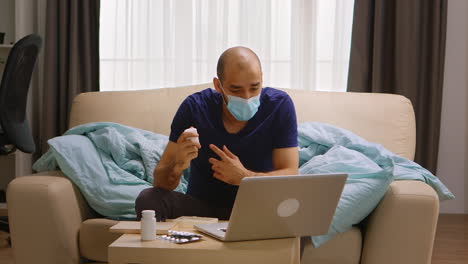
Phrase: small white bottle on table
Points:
(148, 225)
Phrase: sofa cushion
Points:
(344, 248)
(95, 237)
(386, 119)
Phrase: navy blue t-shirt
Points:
(273, 126)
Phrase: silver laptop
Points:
(280, 206)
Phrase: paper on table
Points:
(133, 227)
(189, 221)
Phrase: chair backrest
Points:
(14, 128)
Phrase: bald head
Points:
(237, 59)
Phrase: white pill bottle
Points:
(193, 130)
(148, 225)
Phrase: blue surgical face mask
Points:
(242, 109)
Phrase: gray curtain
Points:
(71, 61)
(398, 47)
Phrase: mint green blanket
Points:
(110, 163)
(113, 163)
(370, 167)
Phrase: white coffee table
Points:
(130, 249)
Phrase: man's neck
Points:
(231, 124)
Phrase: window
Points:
(147, 44)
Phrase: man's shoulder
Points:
(204, 97)
(275, 96)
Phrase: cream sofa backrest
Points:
(382, 118)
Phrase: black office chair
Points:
(14, 128)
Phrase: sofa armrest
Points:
(402, 227)
(45, 212)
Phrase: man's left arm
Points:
(230, 170)
(285, 162)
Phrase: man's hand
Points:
(186, 150)
(229, 169)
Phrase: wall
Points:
(453, 147)
(7, 20)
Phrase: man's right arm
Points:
(175, 159)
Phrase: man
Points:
(244, 130)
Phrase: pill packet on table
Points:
(180, 237)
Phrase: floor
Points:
(451, 243)
(450, 246)
(6, 256)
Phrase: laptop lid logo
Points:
(288, 207)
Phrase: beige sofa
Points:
(51, 222)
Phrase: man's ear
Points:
(216, 82)
(217, 86)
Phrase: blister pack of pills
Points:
(180, 237)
